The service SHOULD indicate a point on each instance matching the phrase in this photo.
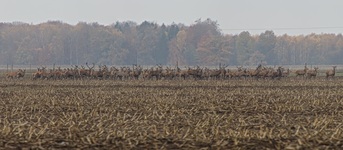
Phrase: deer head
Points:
(90, 68)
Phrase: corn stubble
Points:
(171, 114)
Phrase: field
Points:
(235, 114)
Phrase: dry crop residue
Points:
(171, 114)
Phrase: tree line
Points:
(148, 43)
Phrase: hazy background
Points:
(187, 32)
(293, 17)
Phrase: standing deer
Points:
(312, 73)
(301, 72)
(40, 73)
(182, 73)
(331, 73)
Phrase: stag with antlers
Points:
(40, 73)
(196, 72)
(56, 74)
(83, 72)
(136, 72)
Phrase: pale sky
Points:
(293, 17)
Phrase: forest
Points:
(148, 43)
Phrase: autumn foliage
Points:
(148, 43)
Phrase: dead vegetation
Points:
(181, 114)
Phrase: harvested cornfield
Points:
(182, 114)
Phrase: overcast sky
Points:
(234, 16)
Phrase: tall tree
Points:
(177, 49)
(244, 48)
(161, 51)
(147, 41)
(265, 44)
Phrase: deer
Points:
(21, 73)
(222, 71)
(40, 73)
(86, 72)
(213, 74)
(11, 75)
(155, 72)
(113, 72)
(136, 71)
(97, 74)
(83, 72)
(254, 73)
(275, 74)
(236, 73)
(168, 73)
(57, 74)
(182, 73)
(123, 73)
(264, 72)
(195, 72)
(301, 72)
(17, 74)
(312, 73)
(286, 73)
(331, 73)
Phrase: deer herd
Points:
(159, 72)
